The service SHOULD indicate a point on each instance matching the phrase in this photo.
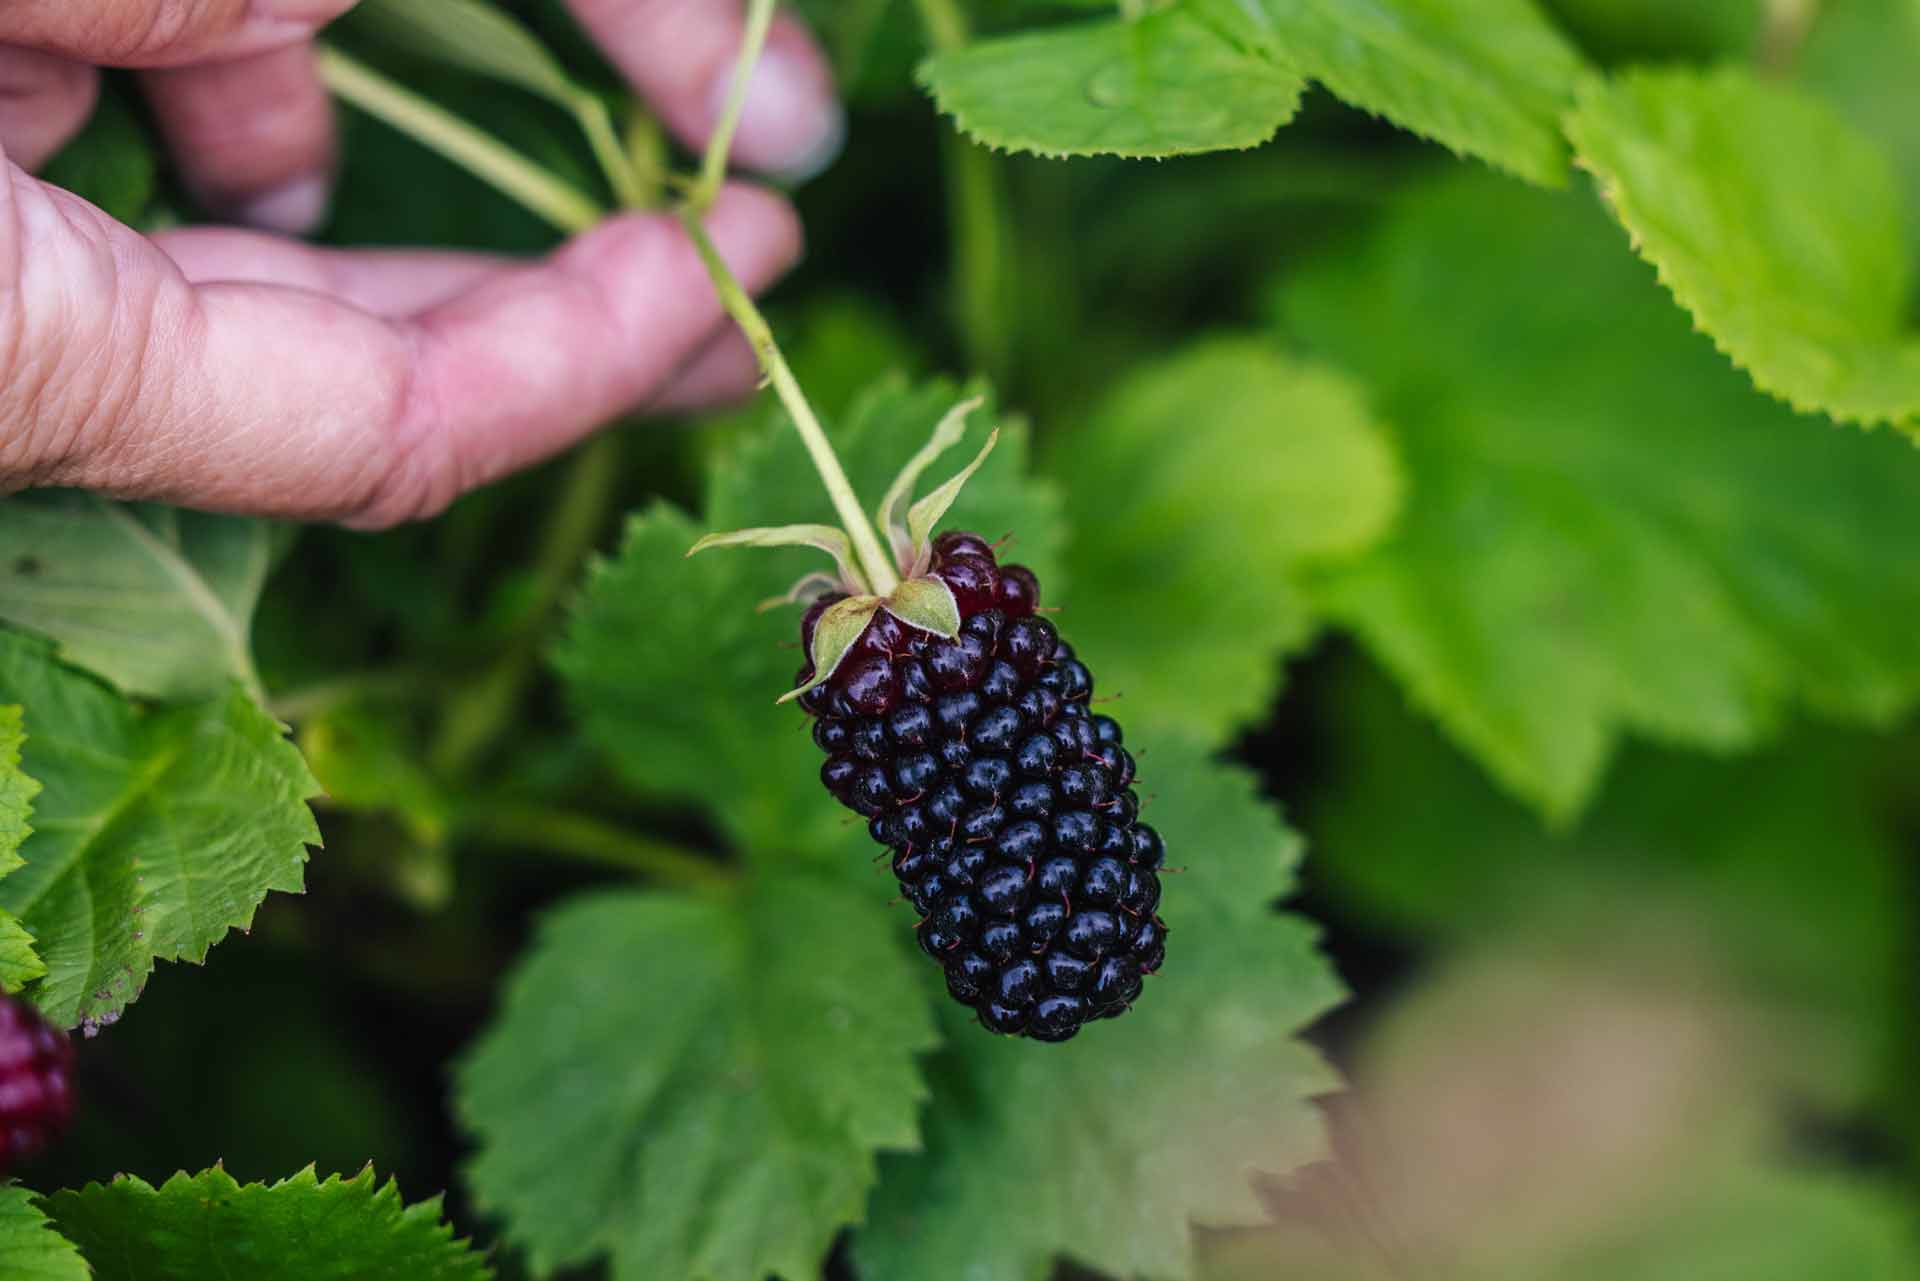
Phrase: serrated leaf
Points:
(946, 434)
(1778, 864)
(926, 603)
(196, 1227)
(1105, 1149)
(1773, 222)
(717, 1121)
(650, 705)
(157, 830)
(1488, 78)
(1167, 84)
(30, 1250)
(1608, 530)
(1198, 493)
(157, 600)
(19, 963)
(473, 36)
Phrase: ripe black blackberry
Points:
(36, 1083)
(1006, 801)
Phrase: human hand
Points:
(236, 371)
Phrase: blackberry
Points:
(1005, 799)
(36, 1083)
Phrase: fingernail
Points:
(295, 209)
(792, 127)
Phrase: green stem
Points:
(321, 697)
(977, 219)
(482, 709)
(597, 123)
(881, 578)
(593, 840)
(946, 23)
(713, 166)
(1784, 31)
(479, 153)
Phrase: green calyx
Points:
(917, 599)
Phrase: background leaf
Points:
(1607, 529)
(1163, 85)
(1201, 488)
(156, 832)
(475, 36)
(715, 1118)
(157, 600)
(1774, 223)
(1779, 865)
(110, 163)
(1103, 1149)
(19, 963)
(30, 1250)
(206, 1225)
(1487, 78)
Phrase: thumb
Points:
(161, 33)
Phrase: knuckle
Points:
(416, 472)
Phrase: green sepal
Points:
(946, 434)
(926, 603)
(832, 541)
(833, 636)
(925, 514)
(807, 587)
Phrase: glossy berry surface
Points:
(1006, 801)
(36, 1083)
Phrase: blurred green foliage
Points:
(1632, 723)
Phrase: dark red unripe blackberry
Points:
(36, 1083)
(1006, 802)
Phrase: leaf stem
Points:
(478, 152)
(878, 566)
(977, 218)
(597, 123)
(590, 839)
(713, 166)
(874, 560)
(388, 685)
(481, 709)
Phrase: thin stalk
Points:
(597, 123)
(475, 718)
(481, 154)
(308, 701)
(713, 166)
(878, 566)
(581, 836)
(976, 217)
(874, 560)
(1785, 26)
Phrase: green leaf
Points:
(19, 963)
(830, 539)
(159, 601)
(833, 635)
(1860, 57)
(926, 603)
(110, 163)
(192, 1228)
(716, 1121)
(925, 515)
(1777, 864)
(30, 1250)
(1661, 31)
(946, 434)
(1164, 85)
(1608, 530)
(158, 830)
(1200, 490)
(473, 36)
(1773, 222)
(1487, 78)
(657, 641)
(1104, 1149)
